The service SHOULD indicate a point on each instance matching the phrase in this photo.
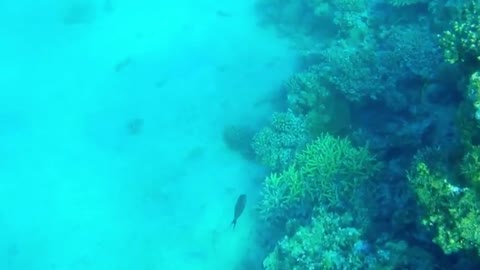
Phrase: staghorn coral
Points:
(329, 171)
(281, 192)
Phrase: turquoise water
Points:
(80, 189)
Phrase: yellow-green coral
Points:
(451, 212)
(282, 190)
(330, 170)
(329, 156)
(473, 92)
(462, 42)
(470, 166)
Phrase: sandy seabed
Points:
(77, 189)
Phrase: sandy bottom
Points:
(77, 189)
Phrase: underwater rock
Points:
(238, 139)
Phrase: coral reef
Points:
(333, 241)
(460, 43)
(353, 71)
(323, 111)
(414, 49)
(379, 73)
(452, 211)
(330, 171)
(306, 91)
(473, 93)
(277, 144)
(402, 3)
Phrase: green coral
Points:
(325, 244)
(334, 241)
(461, 44)
(451, 212)
(329, 170)
(473, 93)
(281, 192)
(470, 168)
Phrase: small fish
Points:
(239, 207)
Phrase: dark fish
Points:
(239, 206)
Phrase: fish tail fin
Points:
(234, 222)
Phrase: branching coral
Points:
(329, 171)
(281, 192)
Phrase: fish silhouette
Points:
(239, 206)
